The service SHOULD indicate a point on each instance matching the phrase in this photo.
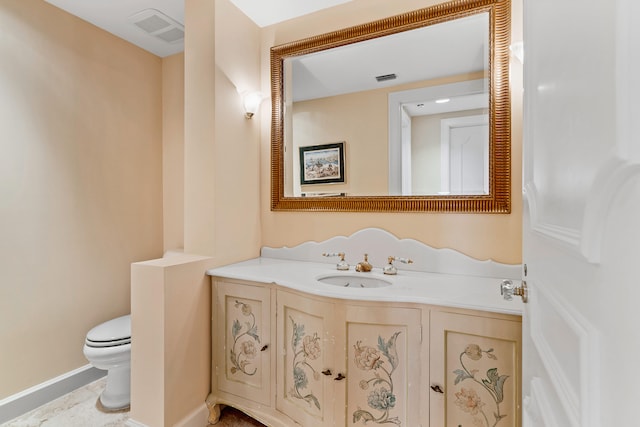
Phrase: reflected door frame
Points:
(399, 166)
(454, 159)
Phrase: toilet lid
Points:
(111, 333)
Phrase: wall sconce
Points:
(251, 102)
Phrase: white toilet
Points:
(108, 346)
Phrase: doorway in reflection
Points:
(439, 140)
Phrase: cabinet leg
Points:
(214, 411)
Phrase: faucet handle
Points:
(342, 264)
(390, 268)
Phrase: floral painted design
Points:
(245, 339)
(382, 361)
(305, 348)
(467, 399)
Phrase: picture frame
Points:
(322, 164)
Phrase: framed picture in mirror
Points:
(322, 164)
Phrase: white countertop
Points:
(460, 291)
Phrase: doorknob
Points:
(508, 290)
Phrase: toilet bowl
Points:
(108, 347)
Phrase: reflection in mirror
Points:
(326, 86)
(439, 140)
(419, 102)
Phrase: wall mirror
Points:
(408, 113)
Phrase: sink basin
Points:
(354, 281)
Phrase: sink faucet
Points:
(342, 264)
(390, 268)
(364, 266)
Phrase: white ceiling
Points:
(356, 67)
(114, 16)
(269, 12)
(450, 48)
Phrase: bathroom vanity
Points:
(298, 342)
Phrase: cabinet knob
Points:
(436, 388)
(264, 347)
(339, 377)
(326, 372)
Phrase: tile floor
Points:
(80, 408)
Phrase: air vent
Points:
(386, 77)
(171, 36)
(159, 25)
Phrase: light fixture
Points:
(442, 101)
(251, 101)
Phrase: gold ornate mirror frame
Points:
(499, 198)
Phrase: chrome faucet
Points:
(342, 264)
(390, 268)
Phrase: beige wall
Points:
(171, 310)
(354, 119)
(173, 151)
(222, 197)
(80, 184)
(360, 120)
(171, 352)
(482, 236)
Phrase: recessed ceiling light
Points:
(442, 101)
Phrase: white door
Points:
(581, 228)
(465, 155)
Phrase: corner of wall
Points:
(171, 344)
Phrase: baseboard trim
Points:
(133, 423)
(197, 418)
(31, 398)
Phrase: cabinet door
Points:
(475, 371)
(306, 362)
(383, 366)
(243, 361)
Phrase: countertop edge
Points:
(453, 291)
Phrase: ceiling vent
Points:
(386, 77)
(159, 25)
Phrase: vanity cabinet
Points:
(384, 362)
(290, 358)
(306, 367)
(343, 364)
(475, 368)
(242, 350)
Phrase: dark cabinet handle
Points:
(264, 347)
(339, 377)
(327, 372)
(436, 388)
